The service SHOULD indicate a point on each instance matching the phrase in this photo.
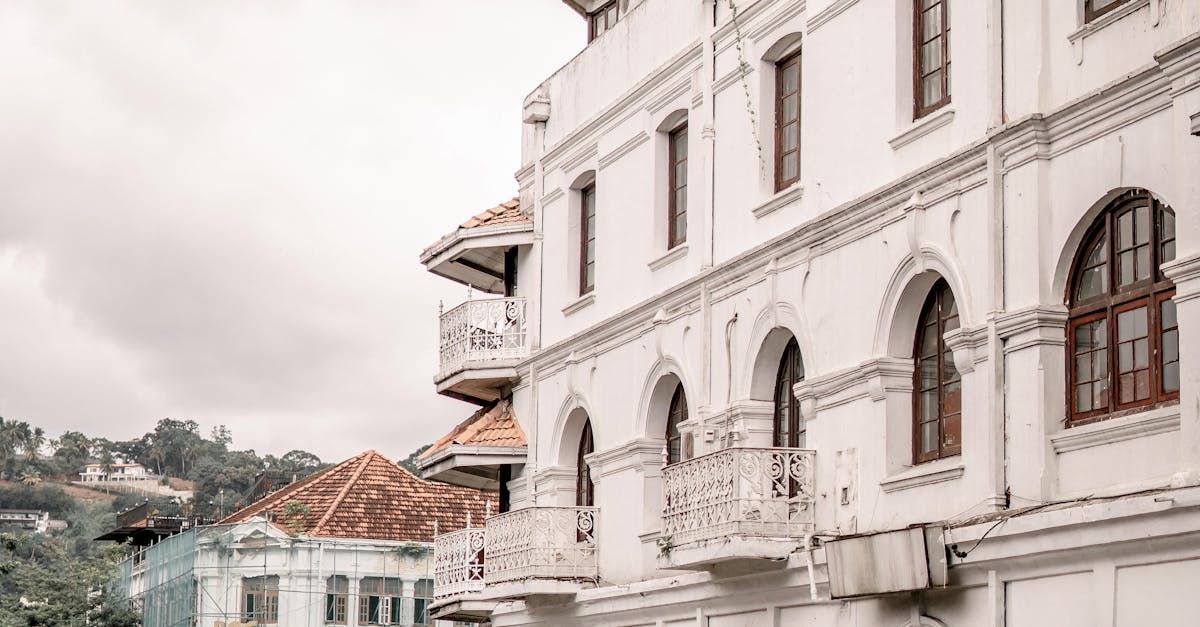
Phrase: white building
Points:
(349, 545)
(844, 292)
(123, 471)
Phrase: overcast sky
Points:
(213, 210)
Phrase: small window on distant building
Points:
(422, 597)
(1093, 9)
(337, 595)
(379, 601)
(787, 121)
(601, 20)
(931, 56)
(587, 239)
(677, 188)
(260, 599)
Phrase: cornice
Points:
(640, 455)
(1179, 60)
(777, 19)
(587, 152)
(1185, 274)
(731, 78)
(1153, 422)
(872, 379)
(627, 147)
(1009, 324)
(835, 8)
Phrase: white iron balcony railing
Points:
(458, 563)
(749, 492)
(489, 329)
(541, 543)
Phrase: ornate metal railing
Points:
(756, 492)
(541, 543)
(481, 330)
(458, 562)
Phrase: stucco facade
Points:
(1051, 118)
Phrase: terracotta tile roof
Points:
(494, 425)
(369, 496)
(505, 212)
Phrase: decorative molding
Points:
(1196, 124)
(553, 195)
(679, 252)
(643, 455)
(872, 379)
(731, 78)
(669, 96)
(575, 160)
(1040, 325)
(777, 19)
(1185, 274)
(922, 127)
(1181, 63)
(779, 200)
(967, 346)
(579, 303)
(1144, 424)
(924, 474)
(620, 151)
(835, 8)
(1077, 36)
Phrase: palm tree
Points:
(34, 441)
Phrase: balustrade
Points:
(458, 563)
(482, 330)
(749, 492)
(541, 543)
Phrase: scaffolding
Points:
(169, 597)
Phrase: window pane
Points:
(791, 77)
(1083, 397)
(790, 166)
(931, 24)
(1167, 309)
(1167, 236)
(1131, 324)
(791, 105)
(931, 88)
(1143, 263)
(789, 137)
(1171, 377)
(1100, 393)
(1125, 230)
(1092, 283)
(952, 431)
(931, 56)
(929, 437)
(1125, 268)
(1142, 224)
(681, 174)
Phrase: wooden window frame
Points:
(585, 489)
(335, 598)
(675, 214)
(920, 107)
(263, 594)
(1149, 293)
(1090, 13)
(677, 412)
(934, 304)
(789, 373)
(604, 13)
(781, 67)
(389, 602)
(586, 237)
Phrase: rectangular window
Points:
(1168, 347)
(787, 122)
(931, 56)
(337, 589)
(587, 239)
(1093, 9)
(260, 599)
(379, 601)
(677, 188)
(423, 593)
(601, 20)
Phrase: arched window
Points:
(1123, 337)
(937, 388)
(675, 415)
(788, 429)
(585, 492)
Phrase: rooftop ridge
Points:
(368, 456)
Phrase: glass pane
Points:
(1141, 354)
(1125, 392)
(931, 56)
(1143, 263)
(1167, 236)
(790, 104)
(951, 431)
(1141, 385)
(1125, 357)
(1125, 268)
(1092, 283)
(1100, 393)
(929, 437)
(1131, 324)
(1171, 377)
(680, 203)
(1141, 233)
(791, 77)
(791, 168)
(1100, 365)
(681, 144)
(681, 174)
(1083, 338)
(1168, 251)
(931, 88)
(790, 137)
(1083, 397)
(949, 373)
(927, 374)
(952, 399)
(1083, 367)
(931, 24)
(1167, 307)
(1170, 348)
(929, 406)
(1125, 230)
(929, 341)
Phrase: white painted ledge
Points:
(1196, 123)
(924, 474)
(780, 200)
(922, 127)
(679, 252)
(1140, 425)
(579, 303)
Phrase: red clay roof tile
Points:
(494, 425)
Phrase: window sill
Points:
(925, 474)
(1078, 35)
(1143, 424)
(923, 126)
(781, 199)
(579, 303)
(679, 252)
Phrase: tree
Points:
(410, 462)
(72, 452)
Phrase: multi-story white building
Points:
(841, 312)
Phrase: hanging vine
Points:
(743, 68)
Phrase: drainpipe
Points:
(808, 559)
(708, 129)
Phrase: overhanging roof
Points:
(473, 254)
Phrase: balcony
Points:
(482, 341)
(736, 504)
(535, 551)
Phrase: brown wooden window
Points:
(937, 387)
(585, 490)
(601, 20)
(422, 599)
(337, 596)
(788, 428)
(677, 188)
(1093, 9)
(1123, 334)
(677, 413)
(260, 599)
(587, 239)
(787, 121)
(931, 55)
(379, 601)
